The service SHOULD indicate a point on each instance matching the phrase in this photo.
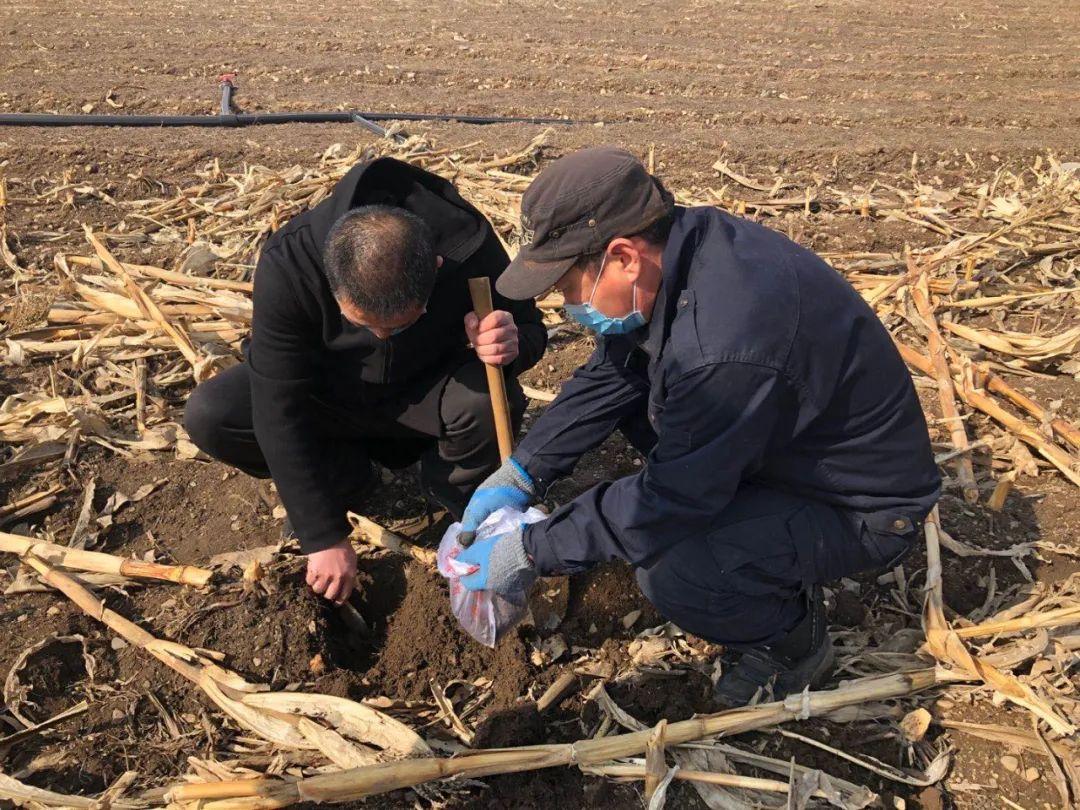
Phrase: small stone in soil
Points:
(1010, 763)
(1031, 774)
(554, 647)
(930, 799)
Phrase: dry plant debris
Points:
(141, 330)
(116, 340)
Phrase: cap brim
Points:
(523, 279)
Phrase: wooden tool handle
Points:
(480, 290)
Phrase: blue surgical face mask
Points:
(592, 318)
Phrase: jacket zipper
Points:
(387, 355)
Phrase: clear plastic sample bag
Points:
(485, 615)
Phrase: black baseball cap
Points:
(574, 208)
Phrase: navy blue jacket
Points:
(763, 365)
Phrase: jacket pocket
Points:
(834, 544)
(887, 536)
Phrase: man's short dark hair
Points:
(381, 259)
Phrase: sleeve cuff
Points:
(322, 539)
(529, 351)
(539, 550)
(540, 477)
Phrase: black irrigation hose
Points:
(253, 119)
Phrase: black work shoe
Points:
(804, 657)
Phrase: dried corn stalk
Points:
(29, 796)
(369, 780)
(283, 718)
(945, 645)
(127, 313)
(100, 563)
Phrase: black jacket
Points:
(759, 364)
(301, 347)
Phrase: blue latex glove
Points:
(509, 485)
(501, 564)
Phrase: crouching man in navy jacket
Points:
(785, 443)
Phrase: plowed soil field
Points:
(854, 92)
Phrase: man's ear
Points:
(625, 255)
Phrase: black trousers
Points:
(742, 583)
(445, 423)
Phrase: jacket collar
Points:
(459, 229)
(674, 263)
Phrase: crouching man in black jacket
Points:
(360, 351)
